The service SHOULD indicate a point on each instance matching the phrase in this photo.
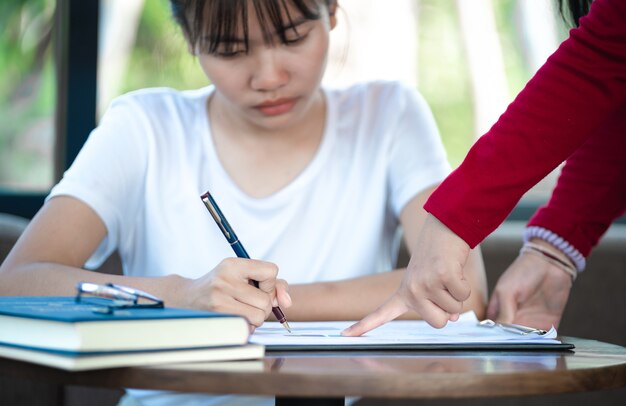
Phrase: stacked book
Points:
(59, 332)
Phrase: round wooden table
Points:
(327, 377)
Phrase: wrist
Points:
(551, 249)
(550, 254)
(557, 242)
(175, 288)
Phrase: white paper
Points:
(464, 331)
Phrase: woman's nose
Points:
(269, 73)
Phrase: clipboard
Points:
(466, 334)
(563, 346)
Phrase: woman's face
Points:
(272, 85)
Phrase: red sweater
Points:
(591, 191)
(575, 95)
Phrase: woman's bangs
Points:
(275, 15)
(219, 25)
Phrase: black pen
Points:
(236, 245)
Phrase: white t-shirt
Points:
(145, 166)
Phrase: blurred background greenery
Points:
(158, 57)
(27, 92)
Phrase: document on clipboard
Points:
(467, 333)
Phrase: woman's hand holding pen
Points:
(240, 251)
(226, 289)
(433, 285)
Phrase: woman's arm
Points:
(352, 299)
(49, 256)
(590, 193)
(412, 218)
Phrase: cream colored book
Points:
(200, 357)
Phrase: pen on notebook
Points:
(236, 245)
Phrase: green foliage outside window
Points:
(27, 93)
(160, 57)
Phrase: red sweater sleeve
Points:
(569, 98)
(591, 191)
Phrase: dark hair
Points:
(575, 8)
(207, 23)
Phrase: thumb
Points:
(493, 308)
(505, 308)
(282, 294)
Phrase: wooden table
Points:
(327, 377)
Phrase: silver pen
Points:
(513, 328)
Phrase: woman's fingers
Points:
(388, 311)
(282, 294)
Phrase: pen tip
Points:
(286, 325)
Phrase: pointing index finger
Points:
(392, 308)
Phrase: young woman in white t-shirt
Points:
(317, 182)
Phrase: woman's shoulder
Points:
(386, 98)
(371, 89)
(158, 99)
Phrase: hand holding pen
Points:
(236, 245)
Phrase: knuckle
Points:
(218, 307)
(228, 263)
(217, 287)
(266, 303)
(415, 289)
(256, 318)
(273, 269)
(446, 278)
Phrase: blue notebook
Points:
(61, 324)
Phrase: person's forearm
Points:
(348, 299)
(589, 194)
(353, 299)
(48, 279)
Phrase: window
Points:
(63, 92)
(468, 59)
(27, 95)
(141, 46)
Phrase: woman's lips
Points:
(276, 107)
